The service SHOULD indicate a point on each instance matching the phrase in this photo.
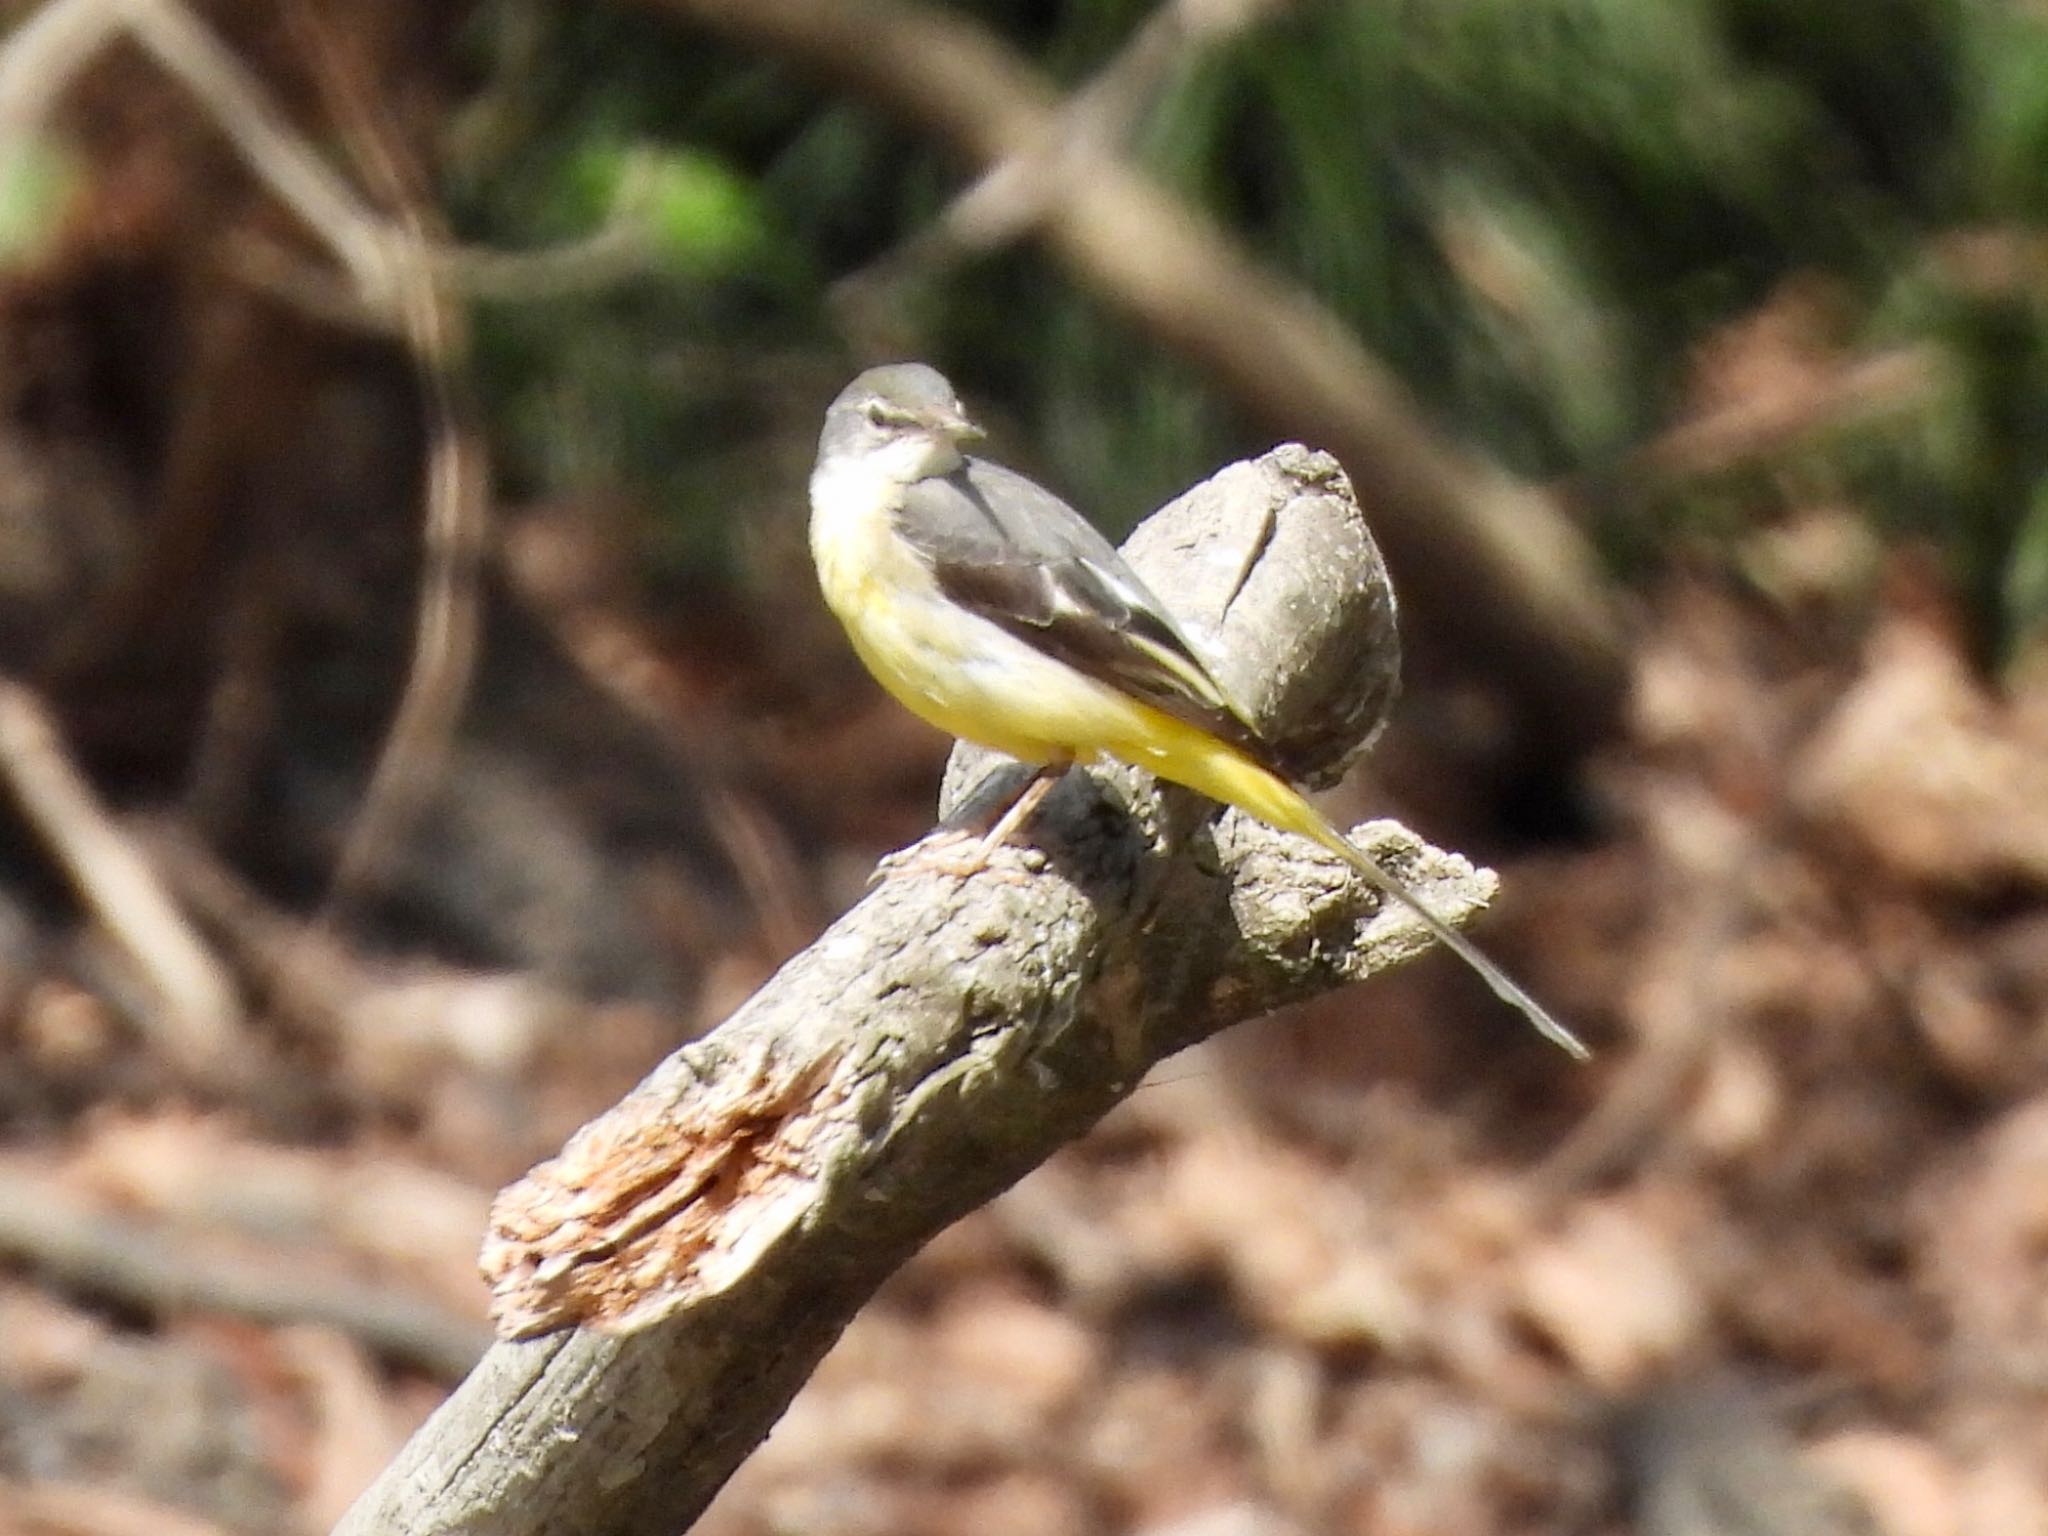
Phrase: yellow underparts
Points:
(978, 682)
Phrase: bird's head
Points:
(903, 419)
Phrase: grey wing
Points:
(1009, 550)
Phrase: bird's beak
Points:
(956, 425)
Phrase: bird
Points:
(993, 610)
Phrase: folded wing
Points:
(1013, 553)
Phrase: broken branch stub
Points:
(704, 1241)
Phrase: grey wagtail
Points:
(994, 610)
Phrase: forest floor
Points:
(1383, 1265)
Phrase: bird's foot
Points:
(960, 855)
(940, 852)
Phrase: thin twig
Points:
(615, 253)
(393, 272)
(278, 154)
(559, 567)
(449, 622)
(199, 1025)
(398, 281)
(457, 522)
(1002, 204)
(44, 55)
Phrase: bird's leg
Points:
(1019, 812)
(934, 856)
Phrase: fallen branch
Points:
(721, 1225)
(152, 1268)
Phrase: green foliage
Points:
(1968, 468)
(1534, 210)
(2025, 591)
(700, 217)
(36, 184)
(2004, 145)
(591, 124)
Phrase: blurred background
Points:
(416, 717)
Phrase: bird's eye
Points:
(877, 414)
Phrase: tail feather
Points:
(1504, 986)
(1202, 762)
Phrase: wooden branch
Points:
(723, 1223)
(1493, 556)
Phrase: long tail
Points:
(1192, 757)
